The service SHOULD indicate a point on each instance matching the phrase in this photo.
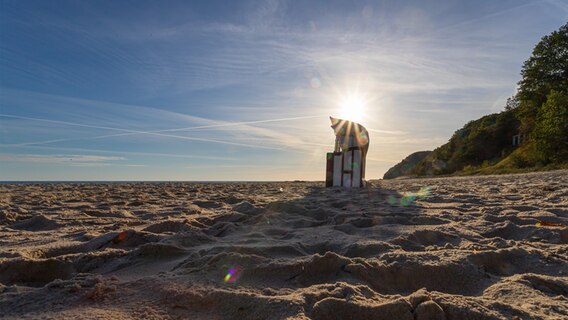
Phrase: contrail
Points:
(157, 132)
(160, 132)
(137, 132)
(221, 125)
(387, 131)
(23, 144)
(152, 154)
(558, 4)
(493, 14)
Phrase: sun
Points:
(352, 108)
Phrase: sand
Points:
(491, 247)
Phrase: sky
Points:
(242, 90)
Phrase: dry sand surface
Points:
(493, 247)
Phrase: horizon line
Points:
(148, 181)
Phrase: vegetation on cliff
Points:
(538, 113)
(406, 166)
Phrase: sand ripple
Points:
(493, 247)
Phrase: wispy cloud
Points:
(134, 153)
(66, 159)
(107, 115)
(231, 131)
(391, 132)
(225, 88)
(278, 140)
(560, 4)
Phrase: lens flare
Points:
(229, 275)
(410, 198)
(392, 200)
(233, 275)
(424, 193)
(315, 83)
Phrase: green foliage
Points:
(406, 166)
(479, 143)
(543, 103)
(539, 109)
(512, 103)
(519, 160)
(545, 70)
(550, 135)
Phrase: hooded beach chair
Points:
(346, 164)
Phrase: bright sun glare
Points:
(352, 108)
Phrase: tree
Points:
(512, 103)
(551, 128)
(545, 70)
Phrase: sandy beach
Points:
(487, 247)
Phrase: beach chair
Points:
(345, 166)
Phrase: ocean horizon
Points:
(146, 181)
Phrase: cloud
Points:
(392, 132)
(560, 4)
(64, 159)
(249, 74)
(108, 115)
(281, 138)
(134, 153)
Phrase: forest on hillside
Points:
(537, 113)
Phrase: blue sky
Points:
(242, 90)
